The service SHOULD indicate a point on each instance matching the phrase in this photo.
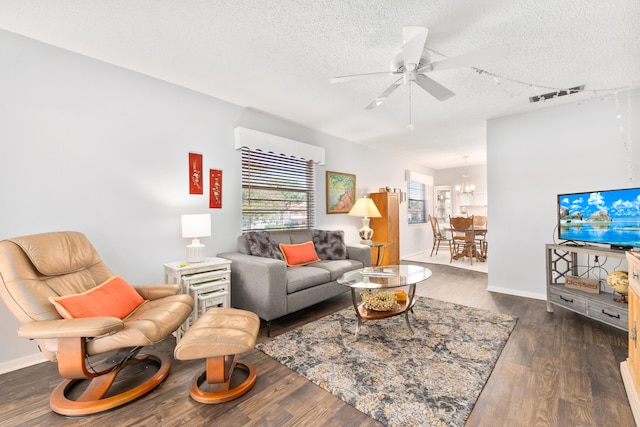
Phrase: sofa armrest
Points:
(360, 253)
(258, 284)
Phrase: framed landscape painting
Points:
(341, 192)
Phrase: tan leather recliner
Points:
(34, 268)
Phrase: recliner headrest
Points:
(58, 253)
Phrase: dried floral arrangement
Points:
(379, 301)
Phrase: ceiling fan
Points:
(411, 65)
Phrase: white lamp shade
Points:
(365, 207)
(198, 225)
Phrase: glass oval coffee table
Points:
(372, 279)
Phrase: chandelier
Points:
(465, 188)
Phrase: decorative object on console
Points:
(619, 282)
(215, 192)
(582, 283)
(195, 173)
(341, 192)
(366, 208)
(465, 187)
(195, 226)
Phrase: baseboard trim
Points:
(413, 254)
(517, 293)
(22, 362)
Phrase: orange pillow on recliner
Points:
(299, 254)
(114, 298)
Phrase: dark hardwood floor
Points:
(557, 369)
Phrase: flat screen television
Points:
(610, 217)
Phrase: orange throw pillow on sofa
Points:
(114, 298)
(299, 254)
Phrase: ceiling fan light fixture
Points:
(412, 64)
(465, 188)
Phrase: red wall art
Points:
(215, 181)
(195, 173)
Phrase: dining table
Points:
(480, 236)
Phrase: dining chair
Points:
(438, 237)
(463, 241)
(480, 229)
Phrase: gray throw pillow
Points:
(261, 244)
(330, 244)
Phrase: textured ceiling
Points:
(278, 56)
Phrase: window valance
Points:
(256, 140)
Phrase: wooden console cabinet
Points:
(562, 260)
(630, 369)
(387, 228)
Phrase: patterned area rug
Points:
(432, 378)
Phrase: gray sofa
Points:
(265, 285)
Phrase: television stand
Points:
(562, 261)
(573, 244)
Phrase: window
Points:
(417, 202)
(277, 191)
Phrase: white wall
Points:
(532, 158)
(477, 177)
(92, 147)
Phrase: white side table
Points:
(208, 282)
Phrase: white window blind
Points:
(277, 191)
(417, 204)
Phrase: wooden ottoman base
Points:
(219, 336)
(218, 375)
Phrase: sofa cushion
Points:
(330, 244)
(337, 268)
(301, 236)
(261, 244)
(299, 254)
(299, 278)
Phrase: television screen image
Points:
(609, 217)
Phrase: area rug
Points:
(431, 378)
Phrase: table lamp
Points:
(365, 208)
(194, 226)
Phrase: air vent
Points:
(557, 94)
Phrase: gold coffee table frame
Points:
(403, 275)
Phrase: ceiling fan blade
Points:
(468, 59)
(414, 39)
(340, 79)
(380, 98)
(434, 88)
